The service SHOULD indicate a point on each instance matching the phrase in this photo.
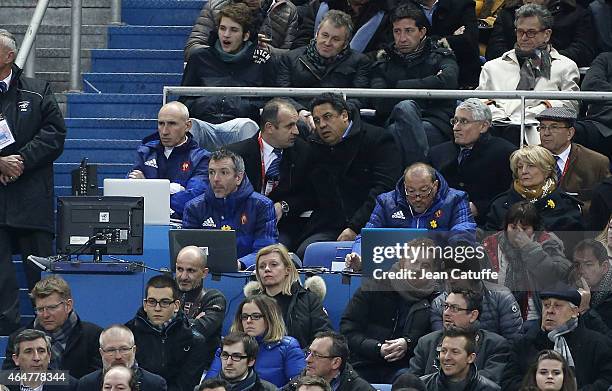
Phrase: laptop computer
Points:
(220, 246)
(156, 193)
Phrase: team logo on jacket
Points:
(438, 213)
(209, 222)
(398, 215)
(24, 106)
(151, 163)
(243, 219)
(185, 166)
(226, 228)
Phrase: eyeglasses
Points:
(462, 121)
(528, 33)
(123, 351)
(317, 355)
(163, 303)
(551, 128)
(253, 316)
(454, 308)
(237, 357)
(49, 308)
(418, 194)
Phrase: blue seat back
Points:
(322, 254)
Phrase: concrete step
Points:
(123, 83)
(58, 36)
(148, 37)
(136, 61)
(58, 59)
(161, 12)
(58, 12)
(113, 105)
(63, 176)
(107, 151)
(110, 128)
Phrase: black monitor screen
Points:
(102, 225)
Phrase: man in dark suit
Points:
(117, 347)
(579, 169)
(33, 355)
(277, 162)
(461, 161)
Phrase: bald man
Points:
(117, 347)
(171, 153)
(205, 308)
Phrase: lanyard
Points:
(266, 186)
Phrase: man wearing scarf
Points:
(167, 345)
(238, 355)
(385, 318)
(233, 59)
(593, 267)
(587, 351)
(327, 62)
(74, 343)
(533, 65)
(414, 61)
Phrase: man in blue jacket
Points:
(172, 154)
(231, 203)
(421, 199)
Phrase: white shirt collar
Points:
(8, 78)
(268, 153)
(563, 156)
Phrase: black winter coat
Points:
(599, 78)
(447, 18)
(591, 351)
(295, 70)
(573, 34)
(175, 353)
(81, 355)
(438, 382)
(348, 176)
(146, 380)
(436, 68)
(382, 36)
(206, 68)
(601, 205)
(348, 380)
(559, 211)
(373, 316)
(38, 127)
(481, 185)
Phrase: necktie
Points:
(273, 172)
(559, 173)
(3, 87)
(464, 154)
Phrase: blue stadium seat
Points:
(322, 254)
(382, 387)
(3, 343)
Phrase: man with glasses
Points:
(167, 345)
(421, 199)
(353, 162)
(462, 310)
(117, 347)
(533, 65)
(74, 343)
(33, 355)
(462, 160)
(238, 355)
(327, 357)
(579, 169)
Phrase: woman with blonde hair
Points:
(535, 180)
(280, 357)
(301, 308)
(605, 237)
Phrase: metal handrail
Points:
(76, 20)
(392, 93)
(30, 34)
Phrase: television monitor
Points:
(100, 225)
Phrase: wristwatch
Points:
(284, 207)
